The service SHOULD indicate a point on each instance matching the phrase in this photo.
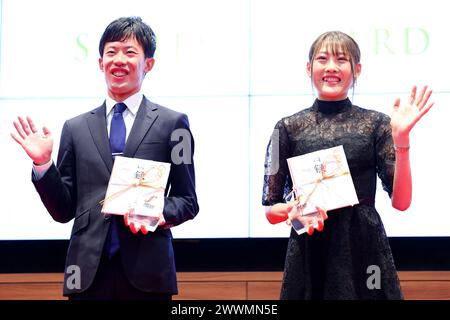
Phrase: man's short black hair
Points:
(130, 27)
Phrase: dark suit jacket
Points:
(75, 186)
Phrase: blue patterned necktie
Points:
(117, 137)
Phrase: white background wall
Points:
(235, 67)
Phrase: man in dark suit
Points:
(114, 261)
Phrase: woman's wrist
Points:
(401, 148)
(401, 142)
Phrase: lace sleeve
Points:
(385, 154)
(277, 182)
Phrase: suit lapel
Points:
(97, 126)
(145, 118)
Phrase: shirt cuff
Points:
(40, 170)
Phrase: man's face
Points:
(125, 66)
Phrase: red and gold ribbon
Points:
(141, 182)
(327, 171)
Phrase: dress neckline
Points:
(332, 107)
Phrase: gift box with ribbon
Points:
(322, 179)
(136, 185)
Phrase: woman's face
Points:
(331, 74)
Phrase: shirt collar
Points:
(133, 102)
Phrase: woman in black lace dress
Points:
(338, 262)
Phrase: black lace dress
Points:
(345, 259)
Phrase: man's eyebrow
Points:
(115, 47)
